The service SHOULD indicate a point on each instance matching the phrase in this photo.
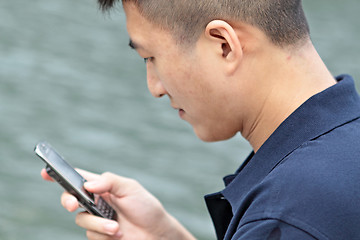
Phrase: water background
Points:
(68, 76)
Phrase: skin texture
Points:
(141, 215)
(234, 79)
(187, 80)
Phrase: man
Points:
(244, 66)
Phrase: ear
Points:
(226, 42)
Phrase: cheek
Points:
(179, 80)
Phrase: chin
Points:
(208, 136)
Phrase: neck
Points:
(289, 79)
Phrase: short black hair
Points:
(283, 21)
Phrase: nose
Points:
(154, 83)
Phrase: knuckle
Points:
(133, 182)
(107, 175)
(112, 177)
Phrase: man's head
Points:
(219, 62)
(283, 21)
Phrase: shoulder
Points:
(329, 159)
(325, 169)
(316, 187)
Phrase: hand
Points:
(140, 214)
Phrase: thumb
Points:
(114, 184)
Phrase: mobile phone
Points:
(72, 181)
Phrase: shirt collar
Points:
(319, 114)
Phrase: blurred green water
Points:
(68, 76)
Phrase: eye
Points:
(149, 59)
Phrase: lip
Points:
(181, 113)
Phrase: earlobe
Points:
(226, 42)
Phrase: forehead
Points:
(150, 38)
(134, 19)
(140, 30)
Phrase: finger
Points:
(100, 225)
(45, 175)
(109, 182)
(89, 176)
(69, 202)
(98, 236)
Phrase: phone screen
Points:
(67, 172)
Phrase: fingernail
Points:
(111, 227)
(89, 184)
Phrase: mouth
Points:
(181, 113)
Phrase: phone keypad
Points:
(106, 209)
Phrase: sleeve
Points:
(270, 229)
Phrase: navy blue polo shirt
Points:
(304, 181)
